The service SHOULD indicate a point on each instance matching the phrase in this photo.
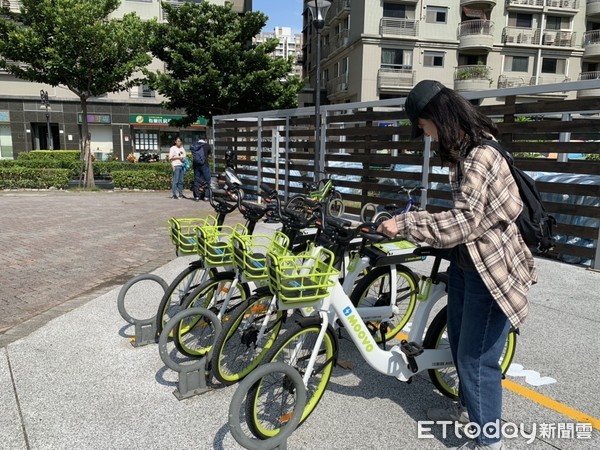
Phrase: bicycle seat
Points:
(443, 253)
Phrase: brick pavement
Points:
(62, 248)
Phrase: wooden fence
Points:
(369, 153)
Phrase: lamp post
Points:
(46, 103)
(318, 10)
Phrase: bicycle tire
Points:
(175, 294)
(445, 379)
(190, 336)
(264, 374)
(381, 216)
(296, 203)
(264, 418)
(374, 290)
(237, 351)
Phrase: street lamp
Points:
(46, 103)
(318, 10)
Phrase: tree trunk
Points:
(87, 165)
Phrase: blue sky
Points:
(282, 13)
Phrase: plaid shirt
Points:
(486, 203)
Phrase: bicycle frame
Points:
(391, 362)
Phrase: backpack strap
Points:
(509, 158)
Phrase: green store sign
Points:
(151, 119)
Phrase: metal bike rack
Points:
(145, 329)
(279, 441)
(192, 377)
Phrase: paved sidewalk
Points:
(60, 248)
(74, 380)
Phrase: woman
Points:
(491, 268)
(176, 156)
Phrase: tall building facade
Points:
(374, 49)
(289, 46)
(119, 123)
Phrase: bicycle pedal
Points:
(411, 349)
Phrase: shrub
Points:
(148, 179)
(60, 155)
(19, 177)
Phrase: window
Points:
(394, 10)
(516, 64)
(436, 14)
(394, 58)
(433, 59)
(553, 65)
(520, 20)
(557, 23)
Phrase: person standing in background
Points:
(176, 157)
(201, 152)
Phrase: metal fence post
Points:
(425, 174)
(287, 159)
(564, 137)
(259, 131)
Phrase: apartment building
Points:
(374, 49)
(119, 123)
(289, 46)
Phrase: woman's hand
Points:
(389, 227)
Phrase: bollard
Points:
(192, 377)
(145, 329)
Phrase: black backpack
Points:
(200, 152)
(534, 223)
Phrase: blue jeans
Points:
(177, 181)
(477, 332)
(201, 179)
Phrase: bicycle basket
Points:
(183, 234)
(249, 252)
(214, 243)
(301, 280)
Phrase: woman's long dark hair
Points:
(459, 124)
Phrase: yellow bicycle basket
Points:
(183, 232)
(249, 252)
(214, 243)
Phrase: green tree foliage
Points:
(75, 44)
(212, 66)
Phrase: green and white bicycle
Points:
(270, 400)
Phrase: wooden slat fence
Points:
(369, 153)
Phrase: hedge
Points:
(60, 155)
(148, 179)
(27, 178)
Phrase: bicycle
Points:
(370, 211)
(255, 324)
(311, 346)
(323, 192)
(225, 290)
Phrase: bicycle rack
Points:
(192, 377)
(279, 441)
(145, 329)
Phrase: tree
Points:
(213, 67)
(75, 44)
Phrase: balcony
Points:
(478, 4)
(587, 93)
(524, 5)
(509, 81)
(475, 35)
(563, 7)
(398, 27)
(554, 38)
(520, 36)
(340, 9)
(591, 45)
(396, 80)
(472, 78)
(337, 87)
(337, 43)
(592, 8)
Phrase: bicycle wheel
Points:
(446, 379)
(297, 203)
(374, 289)
(238, 349)
(193, 337)
(268, 405)
(381, 216)
(184, 283)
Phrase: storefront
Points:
(100, 129)
(154, 135)
(6, 146)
